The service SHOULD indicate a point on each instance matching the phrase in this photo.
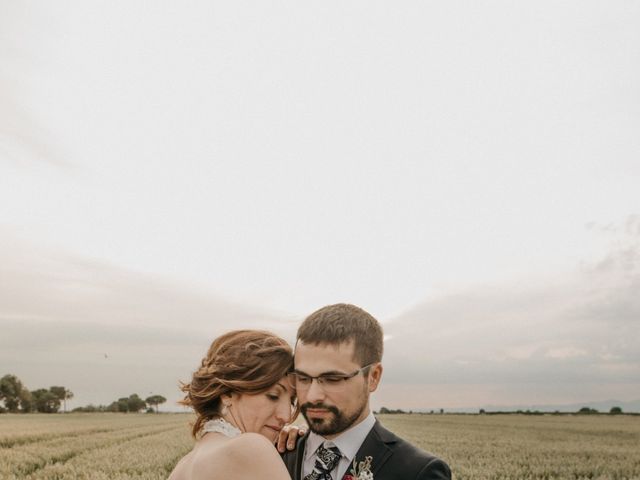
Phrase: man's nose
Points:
(315, 392)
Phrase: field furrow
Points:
(24, 460)
(478, 447)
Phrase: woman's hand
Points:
(288, 437)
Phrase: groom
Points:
(337, 366)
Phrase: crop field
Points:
(528, 446)
(146, 446)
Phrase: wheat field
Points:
(147, 446)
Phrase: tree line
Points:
(582, 411)
(132, 403)
(16, 398)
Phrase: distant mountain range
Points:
(604, 406)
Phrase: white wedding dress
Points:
(220, 425)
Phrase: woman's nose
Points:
(283, 412)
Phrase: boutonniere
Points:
(360, 470)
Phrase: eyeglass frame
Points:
(320, 379)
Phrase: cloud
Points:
(630, 227)
(40, 285)
(104, 331)
(576, 328)
(568, 352)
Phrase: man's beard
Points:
(330, 426)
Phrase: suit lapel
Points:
(375, 445)
(302, 444)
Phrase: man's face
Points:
(330, 413)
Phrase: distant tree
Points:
(587, 411)
(90, 408)
(615, 411)
(45, 401)
(15, 396)
(135, 403)
(26, 401)
(155, 400)
(63, 394)
(482, 412)
(58, 392)
(441, 411)
(123, 404)
(392, 411)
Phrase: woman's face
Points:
(264, 413)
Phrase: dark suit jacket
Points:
(393, 458)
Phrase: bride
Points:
(242, 399)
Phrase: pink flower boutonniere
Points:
(360, 470)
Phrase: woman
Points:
(242, 400)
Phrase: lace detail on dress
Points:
(220, 425)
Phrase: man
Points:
(337, 366)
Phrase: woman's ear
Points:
(226, 398)
(226, 401)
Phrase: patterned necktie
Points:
(326, 460)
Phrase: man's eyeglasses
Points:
(329, 382)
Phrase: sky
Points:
(465, 171)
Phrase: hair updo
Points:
(241, 361)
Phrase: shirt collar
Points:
(348, 442)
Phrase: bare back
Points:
(216, 457)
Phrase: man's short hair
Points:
(340, 323)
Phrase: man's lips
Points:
(317, 411)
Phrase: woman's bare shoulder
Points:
(178, 472)
(251, 446)
(250, 440)
(249, 455)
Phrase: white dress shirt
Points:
(348, 442)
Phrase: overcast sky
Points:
(468, 172)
